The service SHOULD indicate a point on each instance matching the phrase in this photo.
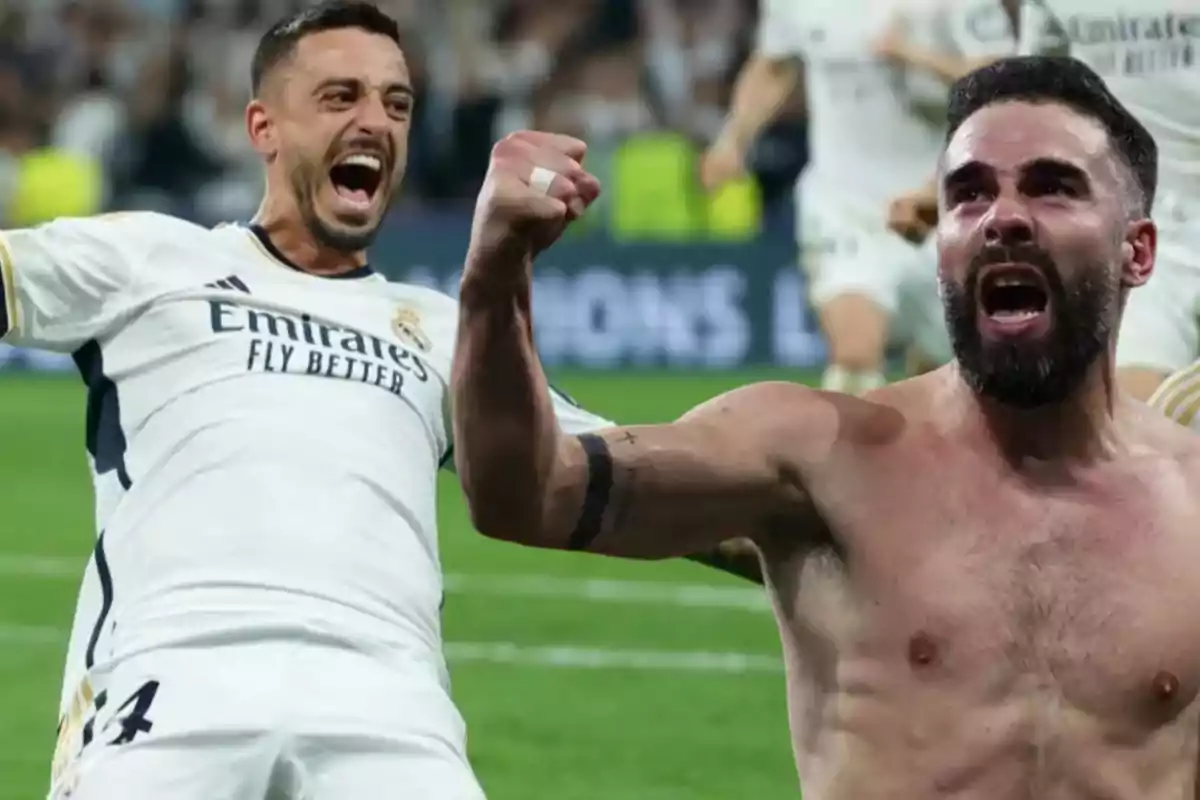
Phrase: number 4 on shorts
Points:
(134, 721)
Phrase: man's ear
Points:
(1138, 252)
(260, 127)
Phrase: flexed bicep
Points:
(658, 491)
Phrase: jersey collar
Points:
(260, 233)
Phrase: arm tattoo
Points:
(599, 490)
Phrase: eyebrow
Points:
(973, 171)
(1057, 168)
(391, 88)
(970, 172)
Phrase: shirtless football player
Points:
(985, 578)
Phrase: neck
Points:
(1081, 428)
(291, 237)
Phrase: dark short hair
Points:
(279, 42)
(1068, 82)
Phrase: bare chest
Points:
(949, 572)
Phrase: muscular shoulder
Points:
(804, 425)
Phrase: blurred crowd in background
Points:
(116, 104)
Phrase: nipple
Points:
(921, 650)
(1165, 685)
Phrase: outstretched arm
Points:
(651, 491)
(737, 557)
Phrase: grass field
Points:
(581, 678)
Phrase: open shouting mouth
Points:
(1013, 299)
(357, 178)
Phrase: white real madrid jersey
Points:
(871, 132)
(264, 442)
(1146, 50)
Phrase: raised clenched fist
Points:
(535, 186)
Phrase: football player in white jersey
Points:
(872, 136)
(265, 422)
(1148, 51)
(972, 33)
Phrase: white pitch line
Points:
(573, 657)
(18, 566)
(560, 656)
(600, 590)
(32, 635)
(686, 595)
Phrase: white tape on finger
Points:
(541, 178)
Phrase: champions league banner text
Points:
(602, 305)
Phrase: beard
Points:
(1040, 372)
(306, 177)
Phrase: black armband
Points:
(599, 488)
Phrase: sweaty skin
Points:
(985, 578)
(953, 623)
(1017, 631)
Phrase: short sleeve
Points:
(63, 282)
(780, 29)
(573, 419)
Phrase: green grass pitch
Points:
(581, 677)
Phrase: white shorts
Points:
(844, 251)
(920, 319)
(1161, 326)
(269, 721)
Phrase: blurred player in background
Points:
(1147, 51)
(875, 130)
(972, 33)
(267, 415)
(983, 577)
